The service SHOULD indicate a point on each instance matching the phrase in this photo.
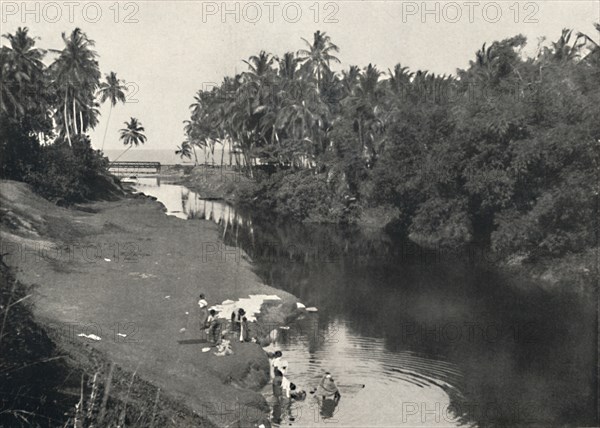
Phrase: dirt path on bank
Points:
(125, 268)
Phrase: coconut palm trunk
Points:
(118, 157)
(248, 164)
(106, 129)
(222, 154)
(195, 155)
(66, 117)
(111, 90)
(74, 123)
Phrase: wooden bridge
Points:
(132, 167)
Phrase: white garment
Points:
(202, 303)
(273, 362)
(286, 386)
(280, 364)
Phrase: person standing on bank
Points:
(275, 357)
(279, 369)
(244, 333)
(236, 320)
(202, 313)
(213, 329)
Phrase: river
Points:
(412, 337)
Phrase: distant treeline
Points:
(47, 111)
(505, 152)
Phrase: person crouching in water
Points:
(213, 327)
(290, 390)
(327, 389)
(297, 395)
(328, 396)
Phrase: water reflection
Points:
(437, 338)
(186, 204)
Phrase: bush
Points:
(306, 196)
(301, 195)
(71, 174)
(562, 220)
(442, 222)
(19, 151)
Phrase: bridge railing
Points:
(132, 166)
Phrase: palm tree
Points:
(132, 135)
(114, 90)
(258, 84)
(10, 101)
(76, 72)
(195, 131)
(350, 78)
(24, 56)
(399, 80)
(594, 49)
(260, 65)
(318, 55)
(21, 71)
(185, 150)
(364, 103)
(562, 50)
(301, 119)
(288, 66)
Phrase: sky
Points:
(167, 51)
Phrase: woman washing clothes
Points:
(328, 396)
(327, 389)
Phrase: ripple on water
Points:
(400, 388)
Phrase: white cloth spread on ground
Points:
(89, 336)
(250, 304)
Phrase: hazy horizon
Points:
(165, 156)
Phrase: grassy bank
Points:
(49, 379)
(131, 275)
(209, 182)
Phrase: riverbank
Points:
(130, 275)
(211, 182)
(577, 271)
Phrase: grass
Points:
(46, 382)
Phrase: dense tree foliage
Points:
(506, 152)
(45, 113)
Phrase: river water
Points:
(412, 337)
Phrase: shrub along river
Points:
(412, 337)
